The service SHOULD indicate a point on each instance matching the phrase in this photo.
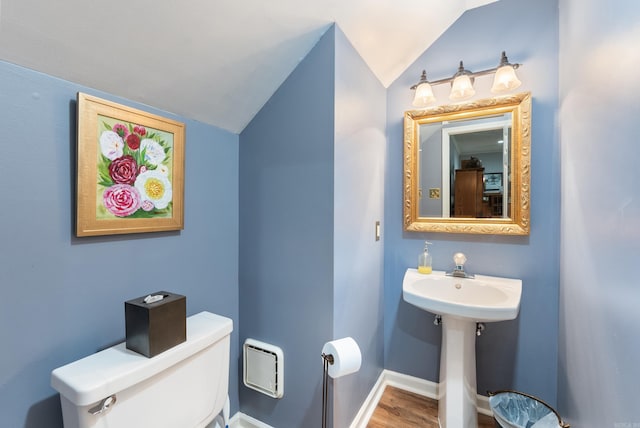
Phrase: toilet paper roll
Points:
(346, 356)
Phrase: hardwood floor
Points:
(402, 409)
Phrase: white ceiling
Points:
(216, 61)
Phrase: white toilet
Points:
(183, 387)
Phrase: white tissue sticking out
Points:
(152, 299)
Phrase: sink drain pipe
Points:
(479, 325)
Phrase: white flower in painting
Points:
(111, 145)
(154, 187)
(163, 169)
(153, 151)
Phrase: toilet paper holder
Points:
(344, 354)
(346, 357)
(328, 358)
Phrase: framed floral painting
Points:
(130, 170)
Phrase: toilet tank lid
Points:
(115, 369)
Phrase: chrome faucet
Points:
(459, 259)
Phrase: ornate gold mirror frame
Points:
(517, 223)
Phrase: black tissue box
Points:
(153, 328)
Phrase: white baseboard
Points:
(240, 420)
(483, 405)
(408, 383)
(387, 378)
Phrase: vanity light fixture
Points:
(424, 93)
(462, 85)
(505, 80)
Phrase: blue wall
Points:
(359, 162)
(63, 296)
(311, 185)
(298, 289)
(599, 381)
(520, 354)
(286, 235)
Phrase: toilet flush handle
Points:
(103, 406)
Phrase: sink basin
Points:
(481, 299)
(462, 302)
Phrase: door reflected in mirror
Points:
(467, 167)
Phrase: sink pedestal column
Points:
(457, 390)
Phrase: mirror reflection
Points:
(464, 168)
(467, 167)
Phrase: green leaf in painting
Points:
(104, 177)
(142, 153)
(163, 213)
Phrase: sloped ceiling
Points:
(216, 61)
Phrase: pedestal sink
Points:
(461, 302)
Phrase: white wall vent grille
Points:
(263, 368)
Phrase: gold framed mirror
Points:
(467, 167)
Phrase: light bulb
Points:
(462, 88)
(505, 79)
(424, 95)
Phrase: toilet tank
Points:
(185, 386)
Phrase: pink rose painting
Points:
(134, 171)
(121, 200)
(130, 169)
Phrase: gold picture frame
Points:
(517, 178)
(130, 169)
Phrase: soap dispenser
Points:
(424, 260)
